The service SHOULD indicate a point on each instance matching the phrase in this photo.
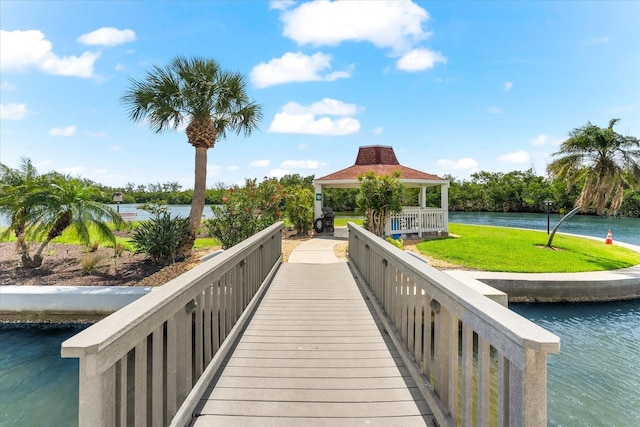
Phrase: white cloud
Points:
(301, 119)
(116, 148)
(620, 109)
(294, 67)
(93, 134)
(260, 163)
(74, 170)
(326, 106)
(23, 49)
(119, 67)
(7, 86)
(539, 140)
(233, 168)
(278, 173)
(494, 110)
(378, 131)
(301, 164)
(13, 111)
(419, 60)
(63, 131)
(281, 4)
(302, 146)
(508, 85)
(542, 139)
(107, 36)
(213, 170)
(385, 24)
(516, 157)
(462, 164)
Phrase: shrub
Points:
(90, 264)
(398, 243)
(245, 211)
(93, 246)
(299, 208)
(162, 237)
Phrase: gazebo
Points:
(414, 220)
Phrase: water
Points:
(593, 381)
(37, 387)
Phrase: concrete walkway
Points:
(315, 251)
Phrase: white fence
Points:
(138, 365)
(417, 221)
(481, 363)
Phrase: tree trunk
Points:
(567, 216)
(197, 203)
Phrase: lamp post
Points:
(117, 197)
(548, 203)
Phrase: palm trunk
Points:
(197, 203)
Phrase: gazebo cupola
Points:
(382, 160)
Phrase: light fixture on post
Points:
(548, 203)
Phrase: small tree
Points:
(379, 197)
(299, 208)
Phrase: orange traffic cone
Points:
(609, 238)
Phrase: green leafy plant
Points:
(299, 208)
(162, 237)
(379, 197)
(398, 243)
(246, 211)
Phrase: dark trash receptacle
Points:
(329, 216)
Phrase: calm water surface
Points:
(593, 381)
(37, 387)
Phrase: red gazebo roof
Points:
(381, 160)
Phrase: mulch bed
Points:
(62, 265)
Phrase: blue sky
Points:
(454, 87)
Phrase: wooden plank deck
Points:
(313, 355)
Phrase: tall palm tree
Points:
(67, 203)
(197, 93)
(606, 161)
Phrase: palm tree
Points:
(67, 202)
(197, 93)
(606, 161)
(15, 185)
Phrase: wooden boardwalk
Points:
(313, 355)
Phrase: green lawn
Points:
(514, 250)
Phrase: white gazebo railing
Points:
(414, 220)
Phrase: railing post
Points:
(527, 390)
(97, 395)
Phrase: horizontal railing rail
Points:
(417, 220)
(486, 364)
(138, 365)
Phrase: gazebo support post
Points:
(317, 207)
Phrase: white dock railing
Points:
(481, 363)
(417, 221)
(138, 365)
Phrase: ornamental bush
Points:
(162, 237)
(299, 208)
(246, 211)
